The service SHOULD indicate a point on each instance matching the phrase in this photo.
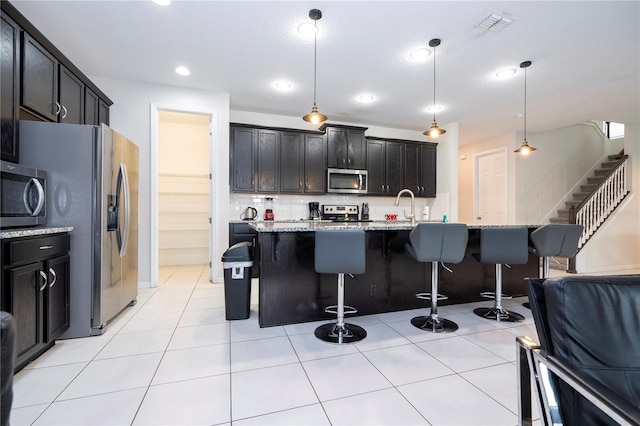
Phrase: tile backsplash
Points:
(295, 207)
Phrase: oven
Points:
(22, 195)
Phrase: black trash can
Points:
(237, 262)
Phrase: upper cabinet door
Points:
(71, 98)
(428, 172)
(267, 172)
(394, 167)
(291, 162)
(376, 168)
(356, 150)
(9, 82)
(412, 168)
(90, 107)
(315, 170)
(336, 148)
(39, 80)
(243, 160)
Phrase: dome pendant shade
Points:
(434, 130)
(525, 148)
(314, 116)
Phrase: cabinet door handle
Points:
(46, 247)
(64, 114)
(382, 186)
(387, 187)
(58, 108)
(55, 277)
(44, 277)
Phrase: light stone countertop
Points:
(311, 226)
(28, 232)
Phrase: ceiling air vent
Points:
(495, 22)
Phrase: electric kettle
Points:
(249, 214)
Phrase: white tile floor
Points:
(173, 359)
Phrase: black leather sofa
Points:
(589, 333)
(7, 362)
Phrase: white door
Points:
(491, 188)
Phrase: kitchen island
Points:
(292, 292)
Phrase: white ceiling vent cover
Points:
(495, 22)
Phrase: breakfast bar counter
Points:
(292, 292)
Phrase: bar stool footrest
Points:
(498, 314)
(492, 295)
(333, 333)
(427, 296)
(333, 309)
(434, 324)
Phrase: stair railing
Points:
(599, 204)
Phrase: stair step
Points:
(558, 220)
(579, 196)
(563, 213)
(602, 172)
(594, 179)
(588, 188)
(615, 157)
(608, 164)
(569, 204)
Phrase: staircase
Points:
(598, 197)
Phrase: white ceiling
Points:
(585, 54)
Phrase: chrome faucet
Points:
(412, 215)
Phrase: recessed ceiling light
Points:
(182, 70)
(366, 98)
(308, 29)
(283, 86)
(162, 2)
(436, 108)
(506, 73)
(420, 54)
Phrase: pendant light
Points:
(525, 148)
(314, 116)
(434, 131)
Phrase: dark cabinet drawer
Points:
(35, 249)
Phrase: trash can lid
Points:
(239, 252)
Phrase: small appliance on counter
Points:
(249, 214)
(364, 213)
(340, 213)
(268, 213)
(314, 210)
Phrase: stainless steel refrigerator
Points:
(92, 185)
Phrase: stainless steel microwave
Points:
(347, 181)
(22, 195)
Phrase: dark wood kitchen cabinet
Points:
(346, 146)
(428, 171)
(315, 160)
(274, 160)
(385, 166)
(291, 162)
(35, 290)
(10, 85)
(39, 83)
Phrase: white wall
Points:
(295, 206)
(130, 115)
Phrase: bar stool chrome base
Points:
(498, 314)
(435, 325)
(347, 333)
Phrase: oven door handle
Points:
(25, 196)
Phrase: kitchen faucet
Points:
(412, 215)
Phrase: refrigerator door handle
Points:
(127, 209)
(25, 197)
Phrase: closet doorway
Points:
(183, 189)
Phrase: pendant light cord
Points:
(434, 83)
(315, 58)
(525, 104)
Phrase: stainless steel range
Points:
(340, 213)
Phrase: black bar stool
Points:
(555, 240)
(501, 246)
(436, 242)
(340, 252)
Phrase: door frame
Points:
(476, 180)
(154, 151)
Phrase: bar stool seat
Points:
(501, 246)
(555, 240)
(436, 242)
(340, 252)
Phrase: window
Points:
(613, 130)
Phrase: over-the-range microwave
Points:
(22, 195)
(347, 181)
